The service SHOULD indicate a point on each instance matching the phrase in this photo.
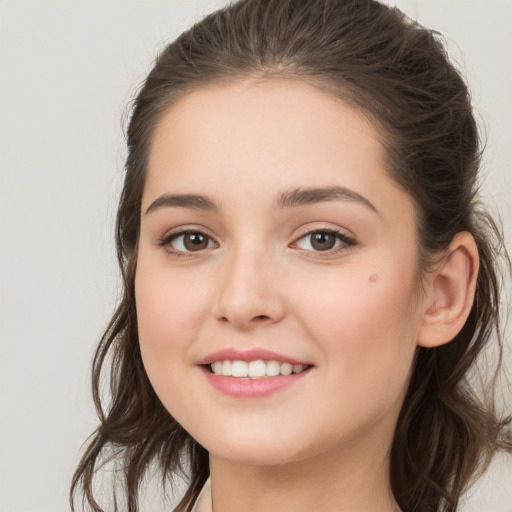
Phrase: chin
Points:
(254, 450)
(253, 457)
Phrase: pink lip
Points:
(252, 354)
(251, 388)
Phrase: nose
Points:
(249, 293)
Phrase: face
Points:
(273, 241)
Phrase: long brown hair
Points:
(397, 73)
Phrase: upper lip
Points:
(253, 354)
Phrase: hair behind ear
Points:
(449, 428)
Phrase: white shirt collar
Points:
(204, 499)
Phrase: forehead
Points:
(271, 113)
(249, 136)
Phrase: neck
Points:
(329, 482)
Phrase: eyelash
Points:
(347, 242)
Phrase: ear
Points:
(450, 291)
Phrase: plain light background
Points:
(67, 71)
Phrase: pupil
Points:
(322, 241)
(195, 241)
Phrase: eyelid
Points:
(312, 227)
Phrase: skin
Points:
(356, 312)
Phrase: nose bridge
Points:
(248, 292)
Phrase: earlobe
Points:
(450, 292)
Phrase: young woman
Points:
(308, 274)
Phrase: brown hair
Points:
(398, 74)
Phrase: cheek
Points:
(366, 327)
(169, 313)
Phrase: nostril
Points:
(261, 318)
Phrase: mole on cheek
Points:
(373, 278)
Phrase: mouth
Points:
(253, 373)
(255, 369)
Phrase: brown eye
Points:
(188, 241)
(195, 241)
(322, 240)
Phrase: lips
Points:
(251, 373)
(253, 354)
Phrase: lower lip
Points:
(251, 388)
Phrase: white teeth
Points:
(286, 369)
(217, 367)
(273, 368)
(226, 368)
(239, 368)
(255, 369)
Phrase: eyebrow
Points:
(305, 196)
(288, 199)
(192, 201)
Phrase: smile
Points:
(258, 369)
(252, 373)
